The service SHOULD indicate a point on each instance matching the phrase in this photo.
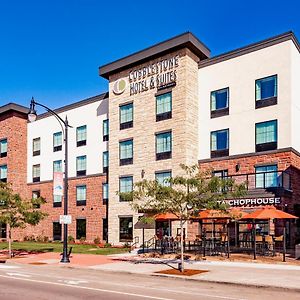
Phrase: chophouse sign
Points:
(242, 202)
(156, 75)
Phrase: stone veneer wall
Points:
(184, 126)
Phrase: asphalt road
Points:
(57, 283)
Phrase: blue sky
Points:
(52, 49)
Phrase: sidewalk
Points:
(283, 276)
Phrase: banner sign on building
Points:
(58, 184)
(248, 202)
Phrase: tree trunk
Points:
(9, 240)
(181, 246)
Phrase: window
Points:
(57, 166)
(162, 178)
(36, 147)
(126, 116)
(163, 145)
(219, 103)
(105, 130)
(163, 107)
(81, 195)
(126, 229)
(105, 161)
(81, 165)
(3, 148)
(57, 141)
(36, 195)
(57, 200)
(80, 229)
(105, 229)
(3, 173)
(105, 192)
(219, 143)
(57, 230)
(36, 173)
(266, 176)
(126, 152)
(266, 135)
(221, 173)
(125, 186)
(266, 91)
(81, 135)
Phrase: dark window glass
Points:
(80, 229)
(105, 130)
(36, 195)
(126, 229)
(57, 141)
(36, 173)
(164, 107)
(3, 148)
(219, 99)
(266, 135)
(163, 145)
(163, 178)
(126, 116)
(266, 87)
(126, 152)
(3, 173)
(57, 231)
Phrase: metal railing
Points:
(263, 180)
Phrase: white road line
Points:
(87, 288)
(8, 267)
(18, 274)
(115, 292)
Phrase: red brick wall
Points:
(13, 126)
(94, 210)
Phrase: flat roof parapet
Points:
(185, 40)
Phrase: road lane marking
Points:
(8, 267)
(73, 282)
(18, 274)
(87, 288)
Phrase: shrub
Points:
(97, 240)
(71, 239)
(29, 238)
(107, 245)
(82, 239)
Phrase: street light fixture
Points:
(32, 116)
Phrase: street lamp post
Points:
(32, 115)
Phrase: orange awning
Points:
(233, 213)
(165, 217)
(267, 213)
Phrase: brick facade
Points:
(14, 129)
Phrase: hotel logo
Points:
(119, 86)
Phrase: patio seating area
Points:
(224, 233)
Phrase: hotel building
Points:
(237, 114)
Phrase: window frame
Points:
(105, 168)
(81, 202)
(81, 172)
(163, 172)
(36, 179)
(3, 154)
(165, 115)
(220, 111)
(105, 199)
(166, 154)
(128, 160)
(105, 136)
(269, 145)
(36, 152)
(80, 143)
(3, 179)
(220, 152)
(125, 177)
(266, 101)
(264, 176)
(130, 234)
(128, 124)
(58, 147)
(55, 161)
(85, 227)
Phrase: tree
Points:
(184, 196)
(16, 212)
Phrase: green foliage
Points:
(185, 195)
(97, 240)
(71, 239)
(18, 212)
(107, 245)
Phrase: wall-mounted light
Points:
(237, 167)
